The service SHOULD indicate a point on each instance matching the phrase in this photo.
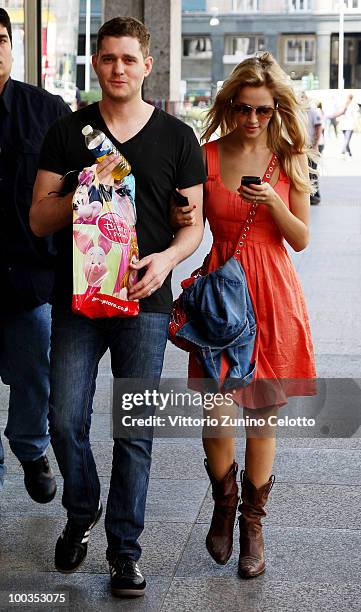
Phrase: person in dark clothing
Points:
(26, 268)
(164, 154)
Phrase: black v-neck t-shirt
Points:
(164, 154)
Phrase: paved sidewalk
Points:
(313, 528)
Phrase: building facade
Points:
(301, 34)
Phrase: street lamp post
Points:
(341, 41)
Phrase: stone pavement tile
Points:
(332, 220)
(4, 396)
(306, 505)
(27, 544)
(330, 188)
(293, 554)
(182, 459)
(102, 402)
(338, 366)
(175, 500)
(102, 427)
(170, 501)
(235, 595)
(327, 466)
(342, 443)
(175, 363)
(85, 592)
(3, 419)
(14, 499)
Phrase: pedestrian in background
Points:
(348, 122)
(26, 269)
(262, 134)
(331, 112)
(315, 136)
(321, 144)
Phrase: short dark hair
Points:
(5, 21)
(125, 26)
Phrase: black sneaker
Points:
(126, 579)
(39, 480)
(72, 546)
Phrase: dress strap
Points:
(270, 168)
(212, 159)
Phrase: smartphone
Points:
(179, 199)
(251, 180)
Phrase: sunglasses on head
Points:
(262, 112)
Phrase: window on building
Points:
(348, 4)
(194, 5)
(352, 4)
(197, 47)
(13, 4)
(81, 44)
(301, 50)
(244, 6)
(244, 45)
(300, 5)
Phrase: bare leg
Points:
(260, 448)
(219, 442)
(260, 454)
(220, 453)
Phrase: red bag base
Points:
(102, 306)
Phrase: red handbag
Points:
(178, 316)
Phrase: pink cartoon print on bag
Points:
(95, 265)
(104, 243)
(87, 211)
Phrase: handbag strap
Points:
(252, 211)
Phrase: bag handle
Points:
(252, 212)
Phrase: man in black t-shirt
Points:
(164, 155)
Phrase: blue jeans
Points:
(347, 135)
(24, 365)
(137, 347)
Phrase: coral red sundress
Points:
(285, 363)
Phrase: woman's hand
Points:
(181, 216)
(259, 194)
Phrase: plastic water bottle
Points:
(100, 146)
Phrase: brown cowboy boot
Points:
(219, 539)
(251, 561)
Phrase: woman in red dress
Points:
(263, 133)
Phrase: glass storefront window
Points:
(15, 9)
(197, 47)
(243, 45)
(60, 19)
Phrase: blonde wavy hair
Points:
(287, 133)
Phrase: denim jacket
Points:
(221, 319)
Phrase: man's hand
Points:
(158, 267)
(104, 169)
